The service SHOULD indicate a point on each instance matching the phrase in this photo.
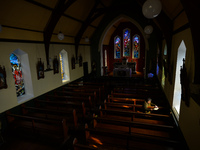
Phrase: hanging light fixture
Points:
(151, 8)
(148, 29)
(87, 39)
(61, 36)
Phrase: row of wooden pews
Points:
(100, 115)
(59, 114)
(121, 123)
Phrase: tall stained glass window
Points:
(17, 74)
(136, 46)
(64, 66)
(61, 66)
(127, 42)
(117, 47)
(105, 54)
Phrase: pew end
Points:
(94, 121)
(87, 133)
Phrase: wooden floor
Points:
(13, 141)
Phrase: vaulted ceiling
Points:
(39, 20)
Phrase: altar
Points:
(124, 70)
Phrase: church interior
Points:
(78, 74)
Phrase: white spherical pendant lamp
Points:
(148, 29)
(61, 36)
(87, 39)
(151, 8)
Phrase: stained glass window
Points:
(17, 74)
(117, 47)
(61, 66)
(105, 53)
(136, 46)
(127, 42)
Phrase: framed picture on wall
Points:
(80, 59)
(55, 65)
(40, 69)
(3, 83)
(73, 62)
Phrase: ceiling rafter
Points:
(84, 26)
(51, 9)
(31, 30)
(178, 15)
(102, 4)
(58, 11)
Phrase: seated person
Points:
(149, 106)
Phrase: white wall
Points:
(189, 118)
(8, 98)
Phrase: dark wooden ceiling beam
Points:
(51, 9)
(102, 4)
(58, 11)
(84, 27)
(178, 15)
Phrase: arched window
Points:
(64, 66)
(163, 69)
(117, 47)
(22, 75)
(17, 74)
(105, 55)
(136, 47)
(127, 42)
(177, 86)
(158, 53)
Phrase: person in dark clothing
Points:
(149, 106)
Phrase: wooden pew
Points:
(71, 117)
(138, 91)
(112, 98)
(115, 137)
(89, 83)
(129, 104)
(84, 90)
(136, 95)
(137, 116)
(86, 100)
(163, 107)
(52, 130)
(100, 89)
(123, 106)
(132, 124)
(93, 95)
(102, 84)
(138, 86)
(63, 106)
